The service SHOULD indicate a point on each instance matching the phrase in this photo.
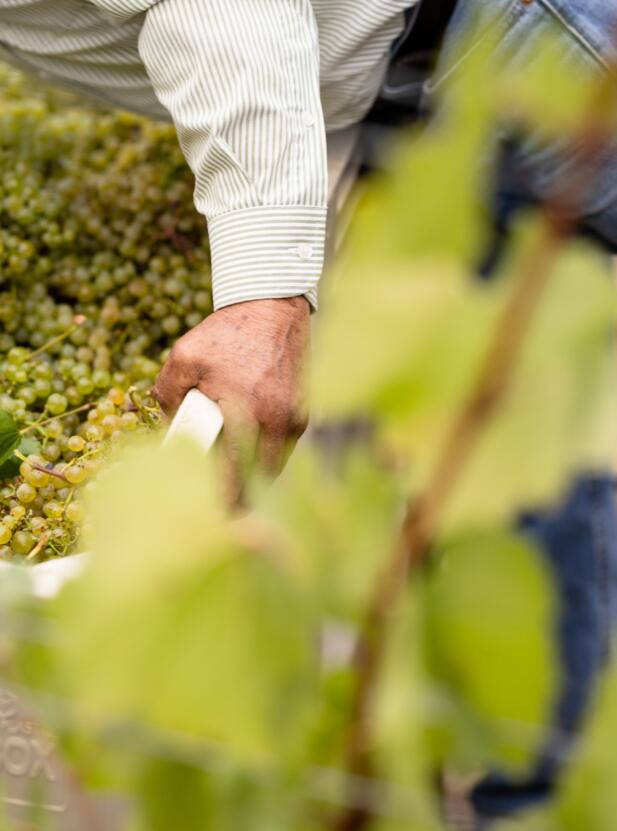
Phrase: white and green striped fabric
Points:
(252, 86)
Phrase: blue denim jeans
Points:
(578, 537)
(586, 33)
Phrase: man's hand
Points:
(249, 358)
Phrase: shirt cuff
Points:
(267, 252)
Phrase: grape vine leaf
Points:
(489, 619)
(335, 523)
(166, 784)
(10, 467)
(9, 436)
(558, 417)
(174, 625)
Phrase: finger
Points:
(172, 384)
(239, 444)
(276, 446)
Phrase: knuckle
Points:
(298, 425)
(285, 418)
(180, 355)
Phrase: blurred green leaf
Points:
(559, 416)
(219, 797)
(405, 347)
(410, 352)
(542, 91)
(174, 626)
(335, 525)
(10, 466)
(489, 630)
(171, 790)
(9, 436)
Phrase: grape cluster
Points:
(103, 263)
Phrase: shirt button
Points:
(308, 119)
(305, 251)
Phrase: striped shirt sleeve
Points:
(241, 81)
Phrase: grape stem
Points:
(78, 321)
(38, 424)
(39, 546)
(42, 468)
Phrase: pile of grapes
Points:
(103, 263)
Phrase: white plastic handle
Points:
(198, 418)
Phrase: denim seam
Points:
(576, 33)
(510, 16)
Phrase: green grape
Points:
(76, 444)
(94, 433)
(26, 493)
(111, 423)
(27, 394)
(16, 374)
(203, 301)
(80, 370)
(38, 524)
(101, 378)
(22, 543)
(116, 396)
(193, 319)
(5, 533)
(18, 512)
(53, 509)
(74, 512)
(73, 395)
(54, 429)
(84, 385)
(106, 407)
(36, 478)
(42, 387)
(49, 491)
(17, 355)
(75, 474)
(7, 403)
(42, 371)
(56, 403)
(129, 421)
(171, 325)
(51, 452)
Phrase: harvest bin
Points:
(29, 764)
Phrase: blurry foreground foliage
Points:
(202, 666)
